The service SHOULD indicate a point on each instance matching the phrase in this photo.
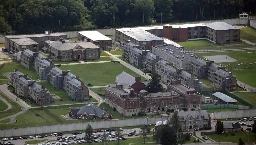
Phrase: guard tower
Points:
(244, 19)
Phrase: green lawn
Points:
(35, 141)
(5, 121)
(32, 117)
(247, 96)
(99, 91)
(102, 53)
(207, 45)
(104, 58)
(74, 39)
(15, 107)
(248, 33)
(65, 99)
(3, 106)
(111, 111)
(197, 44)
(9, 67)
(116, 52)
(98, 74)
(245, 136)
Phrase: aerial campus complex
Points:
(152, 50)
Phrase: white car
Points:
(5, 139)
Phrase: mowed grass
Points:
(245, 136)
(31, 118)
(247, 96)
(197, 44)
(99, 91)
(11, 66)
(3, 106)
(35, 141)
(248, 33)
(15, 107)
(207, 45)
(5, 121)
(244, 68)
(100, 74)
(64, 98)
(111, 111)
(116, 52)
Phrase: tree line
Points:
(36, 16)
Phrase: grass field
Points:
(99, 91)
(245, 136)
(244, 68)
(35, 141)
(248, 33)
(9, 67)
(116, 52)
(98, 74)
(247, 96)
(207, 45)
(3, 106)
(5, 121)
(15, 107)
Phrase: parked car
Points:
(205, 137)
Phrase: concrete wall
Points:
(2, 40)
(78, 126)
(253, 23)
(233, 114)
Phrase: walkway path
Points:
(96, 96)
(248, 42)
(138, 71)
(4, 90)
(7, 103)
(246, 87)
(82, 62)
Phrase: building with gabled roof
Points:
(89, 111)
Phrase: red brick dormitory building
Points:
(217, 32)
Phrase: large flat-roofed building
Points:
(21, 44)
(34, 42)
(217, 32)
(138, 36)
(97, 38)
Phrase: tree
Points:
(219, 127)
(88, 132)
(154, 86)
(163, 10)
(254, 128)
(241, 142)
(144, 129)
(174, 121)
(168, 136)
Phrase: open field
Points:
(3, 106)
(116, 52)
(245, 136)
(247, 96)
(98, 74)
(248, 33)
(11, 66)
(207, 45)
(15, 107)
(5, 121)
(35, 141)
(244, 68)
(99, 91)
(102, 58)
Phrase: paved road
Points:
(4, 90)
(82, 62)
(246, 87)
(7, 103)
(96, 96)
(248, 42)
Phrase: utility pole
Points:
(104, 137)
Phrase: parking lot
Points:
(76, 137)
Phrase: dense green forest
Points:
(36, 16)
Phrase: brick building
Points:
(34, 42)
(217, 32)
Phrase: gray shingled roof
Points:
(125, 79)
(75, 82)
(56, 71)
(198, 115)
(139, 35)
(24, 41)
(92, 109)
(28, 52)
(220, 26)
